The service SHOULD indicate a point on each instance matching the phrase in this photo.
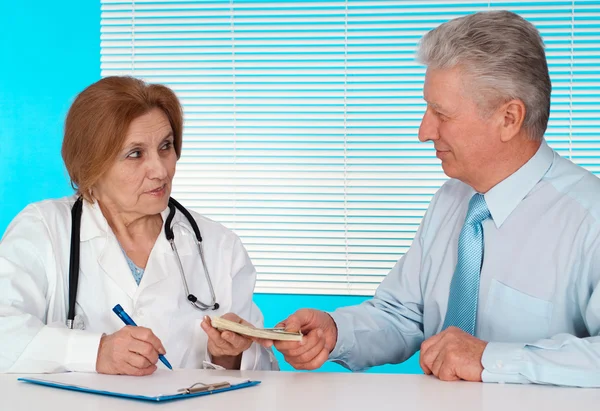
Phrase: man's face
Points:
(464, 140)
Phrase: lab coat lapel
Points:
(161, 263)
(113, 263)
(95, 228)
(156, 270)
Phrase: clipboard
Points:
(163, 385)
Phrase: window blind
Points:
(301, 119)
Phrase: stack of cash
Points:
(265, 333)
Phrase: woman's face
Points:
(139, 182)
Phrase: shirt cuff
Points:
(344, 339)
(207, 365)
(82, 351)
(259, 358)
(503, 362)
(254, 358)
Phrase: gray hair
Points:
(503, 55)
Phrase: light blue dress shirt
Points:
(539, 294)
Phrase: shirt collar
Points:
(505, 196)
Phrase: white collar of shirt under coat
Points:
(505, 196)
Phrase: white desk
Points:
(295, 391)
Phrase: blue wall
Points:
(50, 52)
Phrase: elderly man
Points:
(501, 283)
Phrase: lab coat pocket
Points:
(514, 316)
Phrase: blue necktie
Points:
(464, 288)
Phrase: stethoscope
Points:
(76, 211)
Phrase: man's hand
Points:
(226, 347)
(453, 355)
(129, 351)
(320, 337)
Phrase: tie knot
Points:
(478, 210)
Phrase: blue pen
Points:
(129, 321)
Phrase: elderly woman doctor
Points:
(121, 144)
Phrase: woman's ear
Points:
(90, 196)
(512, 116)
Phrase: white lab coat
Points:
(34, 267)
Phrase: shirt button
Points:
(499, 364)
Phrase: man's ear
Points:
(512, 115)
